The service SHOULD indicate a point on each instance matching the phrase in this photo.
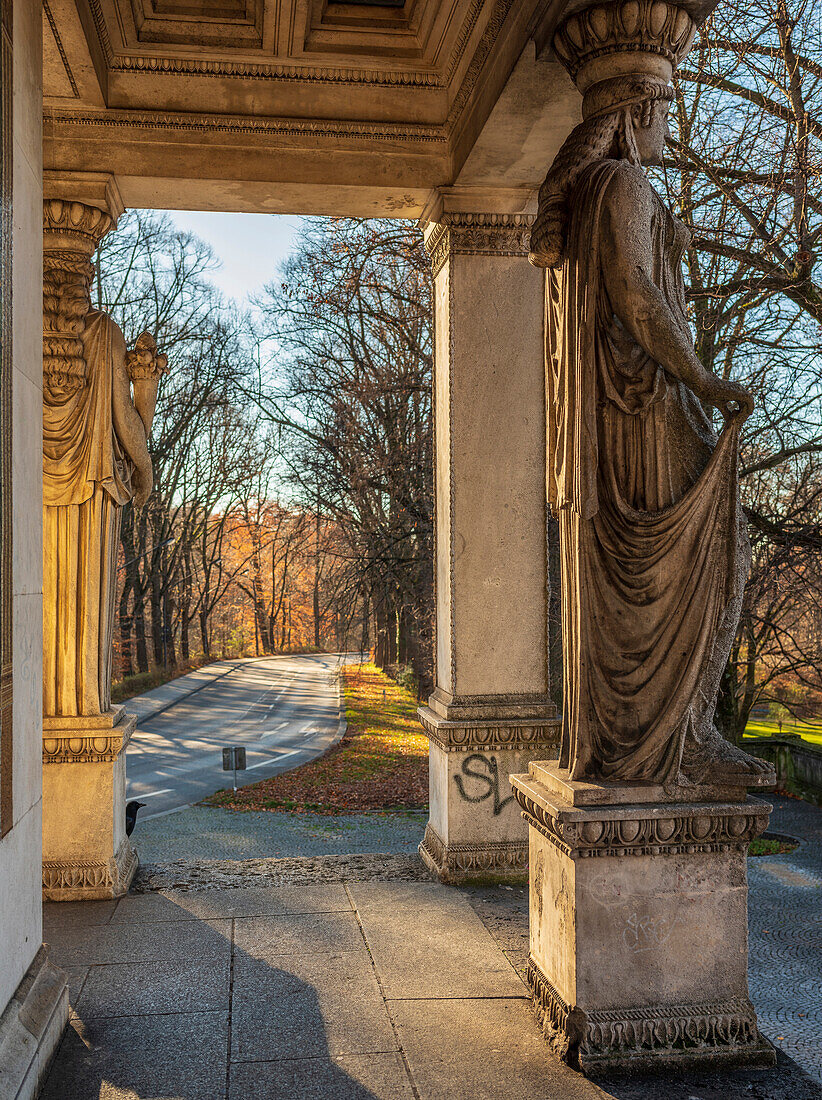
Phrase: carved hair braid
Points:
(609, 133)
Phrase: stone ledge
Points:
(31, 1028)
(96, 739)
(656, 1037)
(88, 880)
(471, 734)
(639, 830)
(456, 863)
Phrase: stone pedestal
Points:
(639, 929)
(86, 853)
(490, 712)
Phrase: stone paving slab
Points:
(355, 1077)
(243, 902)
(142, 943)
(490, 1048)
(308, 1006)
(269, 937)
(434, 947)
(178, 1057)
(134, 989)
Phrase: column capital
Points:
(99, 190)
(477, 234)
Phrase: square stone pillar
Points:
(490, 712)
(86, 853)
(639, 923)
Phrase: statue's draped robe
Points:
(86, 480)
(653, 552)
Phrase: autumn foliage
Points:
(381, 764)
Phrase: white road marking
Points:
(151, 794)
(275, 760)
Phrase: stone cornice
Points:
(91, 744)
(646, 830)
(245, 125)
(478, 235)
(276, 71)
(469, 736)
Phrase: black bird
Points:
(132, 809)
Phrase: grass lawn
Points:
(381, 764)
(768, 727)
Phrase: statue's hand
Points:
(142, 482)
(732, 400)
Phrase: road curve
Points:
(284, 710)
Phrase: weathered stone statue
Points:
(95, 460)
(653, 544)
(639, 831)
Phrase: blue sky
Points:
(249, 246)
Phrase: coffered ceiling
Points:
(303, 105)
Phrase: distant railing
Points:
(798, 764)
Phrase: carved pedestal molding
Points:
(639, 924)
(86, 854)
(490, 712)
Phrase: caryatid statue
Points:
(95, 460)
(654, 549)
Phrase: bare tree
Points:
(745, 176)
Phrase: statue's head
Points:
(622, 57)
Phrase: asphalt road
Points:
(284, 710)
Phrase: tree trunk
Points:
(204, 638)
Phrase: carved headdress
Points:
(620, 55)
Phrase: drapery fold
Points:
(653, 553)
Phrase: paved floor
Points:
(376, 990)
(203, 832)
(285, 710)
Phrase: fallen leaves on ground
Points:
(381, 764)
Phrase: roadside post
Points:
(234, 760)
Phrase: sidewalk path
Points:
(202, 832)
(369, 988)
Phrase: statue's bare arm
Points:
(627, 263)
(127, 421)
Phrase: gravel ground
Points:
(204, 833)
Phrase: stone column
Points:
(94, 457)
(490, 711)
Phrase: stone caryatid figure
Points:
(95, 459)
(653, 544)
